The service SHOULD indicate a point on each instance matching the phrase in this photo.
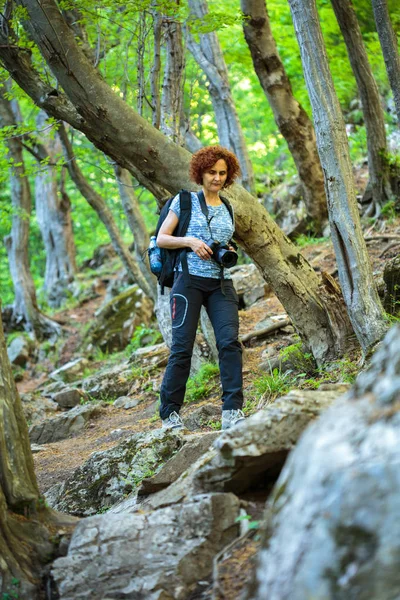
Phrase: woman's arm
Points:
(166, 239)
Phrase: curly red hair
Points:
(205, 158)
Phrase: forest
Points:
(101, 107)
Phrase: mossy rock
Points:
(115, 322)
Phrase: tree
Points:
(105, 215)
(208, 55)
(314, 305)
(387, 38)
(355, 273)
(28, 529)
(53, 212)
(378, 168)
(25, 306)
(292, 120)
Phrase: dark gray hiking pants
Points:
(186, 303)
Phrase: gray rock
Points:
(70, 371)
(37, 408)
(108, 476)
(156, 556)
(35, 448)
(126, 402)
(195, 446)
(333, 528)
(259, 446)
(249, 283)
(201, 416)
(154, 356)
(63, 426)
(109, 382)
(68, 397)
(116, 322)
(18, 351)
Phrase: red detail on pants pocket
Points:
(173, 308)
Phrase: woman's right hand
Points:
(200, 248)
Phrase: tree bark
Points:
(130, 204)
(314, 308)
(291, 119)
(355, 272)
(208, 55)
(25, 306)
(156, 68)
(98, 204)
(388, 40)
(378, 168)
(172, 87)
(28, 529)
(53, 212)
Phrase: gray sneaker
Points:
(173, 421)
(231, 417)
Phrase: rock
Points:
(126, 402)
(37, 408)
(70, 371)
(18, 351)
(115, 322)
(249, 283)
(259, 446)
(68, 397)
(195, 446)
(108, 476)
(35, 448)
(110, 382)
(63, 426)
(156, 556)
(201, 416)
(332, 524)
(154, 356)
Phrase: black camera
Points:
(221, 253)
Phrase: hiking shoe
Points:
(231, 417)
(173, 421)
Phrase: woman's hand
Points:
(200, 248)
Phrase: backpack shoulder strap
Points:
(203, 204)
(185, 199)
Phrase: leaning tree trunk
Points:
(130, 204)
(53, 212)
(172, 87)
(28, 529)
(314, 306)
(355, 272)
(98, 204)
(378, 168)
(25, 306)
(291, 118)
(388, 40)
(208, 55)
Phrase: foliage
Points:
(271, 385)
(143, 336)
(297, 358)
(304, 240)
(202, 384)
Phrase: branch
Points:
(258, 333)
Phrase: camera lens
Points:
(227, 258)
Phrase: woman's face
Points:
(214, 178)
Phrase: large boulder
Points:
(63, 426)
(156, 556)
(19, 350)
(115, 322)
(37, 408)
(108, 476)
(333, 528)
(249, 284)
(110, 382)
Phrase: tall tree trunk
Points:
(28, 529)
(378, 168)
(53, 212)
(98, 204)
(292, 120)
(315, 306)
(387, 38)
(25, 306)
(354, 267)
(172, 87)
(208, 55)
(156, 67)
(130, 204)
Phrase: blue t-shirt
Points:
(220, 228)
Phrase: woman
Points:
(214, 168)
